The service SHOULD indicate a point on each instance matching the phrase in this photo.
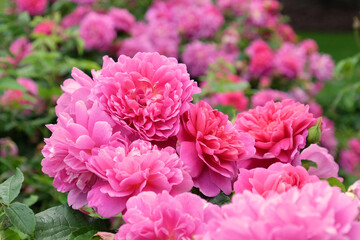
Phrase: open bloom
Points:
(127, 171)
(321, 66)
(277, 178)
(290, 60)
(316, 211)
(146, 93)
(123, 20)
(261, 58)
(163, 217)
(266, 95)
(280, 130)
(212, 148)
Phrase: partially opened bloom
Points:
(146, 93)
(127, 171)
(33, 7)
(212, 148)
(278, 178)
(97, 31)
(326, 165)
(280, 130)
(316, 211)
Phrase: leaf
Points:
(21, 216)
(31, 200)
(9, 234)
(220, 199)
(8, 83)
(308, 163)
(334, 182)
(61, 222)
(10, 189)
(84, 233)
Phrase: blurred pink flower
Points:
(328, 139)
(198, 56)
(46, 27)
(8, 147)
(12, 96)
(278, 178)
(128, 171)
(20, 48)
(97, 31)
(261, 58)
(33, 7)
(280, 130)
(316, 211)
(236, 99)
(309, 45)
(212, 148)
(146, 94)
(321, 66)
(327, 167)
(122, 18)
(265, 95)
(315, 109)
(151, 216)
(350, 158)
(286, 32)
(290, 60)
(75, 17)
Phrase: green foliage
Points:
(10, 189)
(336, 183)
(308, 163)
(64, 223)
(21, 216)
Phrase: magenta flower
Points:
(33, 7)
(128, 171)
(236, 99)
(278, 178)
(212, 148)
(265, 95)
(280, 130)
(327, 167)
(316, 211)
(122, 18)
(146, 93)
(97, 31)
(151, 216)
(11, 96)
(45, 27)
(290, 60)
(321, 66)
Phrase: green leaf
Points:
(334, 182)
(10, 189)
(31, 200)
(308, 163)
(9, 234)
(58, 223)
(9, 83)
(21, 216)
(84, 233)
(220, 199)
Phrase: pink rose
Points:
(280, 130)
(45, 27)
(278, 178)
(212, 148)
(151, 216)
(146, 93)
(34, 7)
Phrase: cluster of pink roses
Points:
(291, 61)
(128, 138)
